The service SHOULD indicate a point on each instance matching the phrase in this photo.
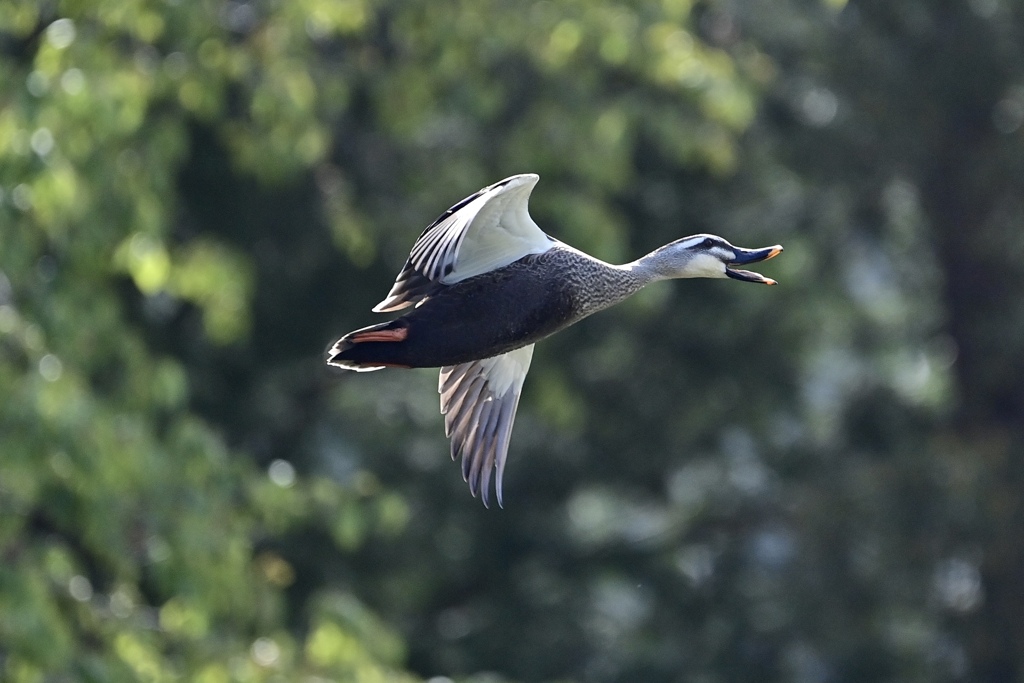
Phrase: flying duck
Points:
(482, 285)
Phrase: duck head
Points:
(707, 256)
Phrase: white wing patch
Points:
(483, 232)
(479, 402)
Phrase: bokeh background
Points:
(817, 482)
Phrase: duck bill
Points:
(745, 256)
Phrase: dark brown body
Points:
(491, 313)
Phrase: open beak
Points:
(745, 256)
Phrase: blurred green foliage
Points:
(137, 544)
(713, 482)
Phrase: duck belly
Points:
(486, 315)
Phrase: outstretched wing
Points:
(479, 401)
(484, 231)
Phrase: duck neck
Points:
(658, 265)
(596, 284)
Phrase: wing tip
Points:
(514, 182)
(519, 179)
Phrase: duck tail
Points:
(371, 348)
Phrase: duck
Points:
(481, 286)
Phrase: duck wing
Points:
(479, 401)
(484, 231)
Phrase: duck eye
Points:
(708, 243)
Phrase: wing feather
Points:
(468, 445)
(508, 416)
(484, 231)
(479, 400)
(488, 440)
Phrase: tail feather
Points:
(368, 349)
